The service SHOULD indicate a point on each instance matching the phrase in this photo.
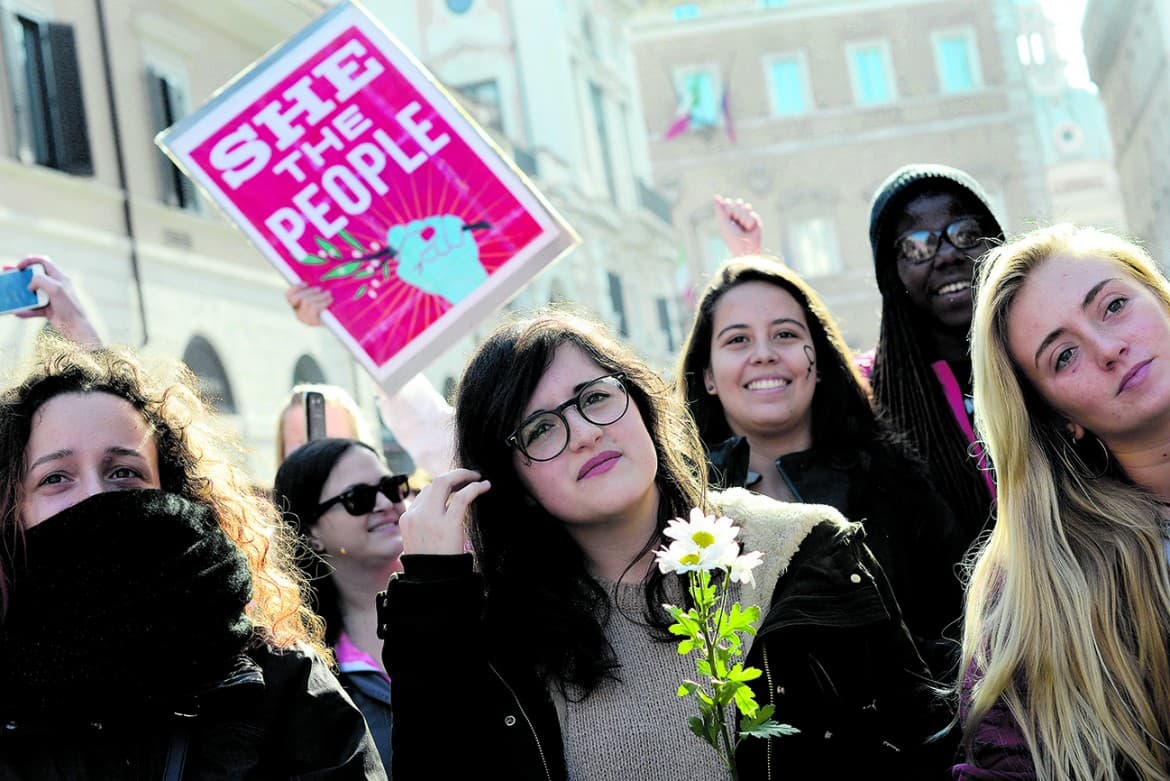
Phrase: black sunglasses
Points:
(920, 246)
(360, 499)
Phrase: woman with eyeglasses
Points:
(345, 505)
(544, 652)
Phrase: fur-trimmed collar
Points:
(774, 528)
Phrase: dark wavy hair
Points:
(841, 412)
(196, 461)
(530, 564)
(297, 492)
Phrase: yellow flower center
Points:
(703, 538)
(690, 558)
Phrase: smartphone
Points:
(314, 416)
(14, 293)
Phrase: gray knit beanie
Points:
(911, 180)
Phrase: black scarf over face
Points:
(126, 604)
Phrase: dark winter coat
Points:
(908, 527)
(838, 664)
(125, 654)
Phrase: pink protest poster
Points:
(349, 167)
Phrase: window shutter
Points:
(66, 106)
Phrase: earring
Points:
(1090, 474)
(316, 546)
(710, 388)
(343, 551)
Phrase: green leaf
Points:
(687, 688)
(344, 270)
(361, 291)
(313, 260)
(385, 271)
(328, 248)
(368, 271)
(745, 700)
(740, 673)
(697, 727)
(351, 241)
(769, 729)
(685, 647)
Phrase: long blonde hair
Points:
(194, 461)
(1068, 602)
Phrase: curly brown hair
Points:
(194, 462)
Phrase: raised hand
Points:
(739, 226)
(308, 302)
(436, 519)
(64, 311)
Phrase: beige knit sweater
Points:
(636, 729)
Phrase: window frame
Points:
(800, 58)
(937, 37)
(889, 72)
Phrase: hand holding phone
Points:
(14, 293)
(314, 416)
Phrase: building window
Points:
(617, 302)
(47, 91)
(168, 104)
(485, 95)
(956, 59)
(788, 86)
(681, 12)
(203, 361)
(699, 96)
(664, 323)
(597, 101)
(871, 73)
(812, 247)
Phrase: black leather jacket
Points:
(838, 664)
(909, 528)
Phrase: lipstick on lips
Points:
(599, 464)
(1134, 375)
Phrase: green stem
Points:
(712, 628)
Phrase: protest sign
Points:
(349, 167)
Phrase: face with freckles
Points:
(1095, 343)
(605, 473)
(83, 444)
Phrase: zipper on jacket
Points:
(772, 702)
(524, 713)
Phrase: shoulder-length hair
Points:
(1068, 603)
(841, 412)
(297, 493)
(530, 564)
(194, 462)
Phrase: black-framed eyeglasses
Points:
(544, 434)
(360, 499)
(920, 246)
